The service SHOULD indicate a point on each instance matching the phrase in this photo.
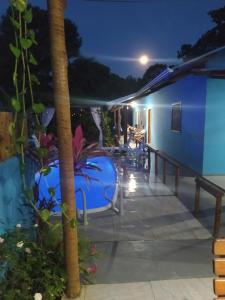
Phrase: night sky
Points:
(116, 34)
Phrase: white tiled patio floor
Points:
(180, 289)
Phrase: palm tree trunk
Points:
(62, 106)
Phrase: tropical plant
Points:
(35, 266)
(32, 267)
(23, 99)
(81, 151)
(106, 127)
(49, 142)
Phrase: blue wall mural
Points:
(214, 147)
(13, 205)
(185, 146)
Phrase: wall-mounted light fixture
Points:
(133, 104)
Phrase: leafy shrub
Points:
(32, 266)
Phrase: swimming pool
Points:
(100, 191)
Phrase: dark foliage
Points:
(210, 40)
(89, 78)
(83, 117)
(106, 126)
(41, 51)
(152, 72)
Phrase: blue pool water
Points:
(99, 191)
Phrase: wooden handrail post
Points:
(156, 164)
(216, 192)
(149, 160)
(197, 198)
(217, 215)
(164, 170)
(177, 175)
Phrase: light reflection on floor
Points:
(132, 184)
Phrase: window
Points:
(176, 117)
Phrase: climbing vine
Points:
(23, 79)
(35, 265)
(23, 99)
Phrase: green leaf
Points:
(20, 5)
(73, 223)
(29, 194)
(41, 128)
(22, 167)
(18, 149)
(55, 226)
(11, 128)
(45, 170)
(42, 152)
(14, 78)
(51, 191)
(21, 139)
(32, 59)
(64, 208)
(34, 79)
(38, 108)
(15, 23)
(45, 214)
(31, 34)
(16, 104)
(15, 51)
(28, 16)
(25, 43)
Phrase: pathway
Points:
(154, 250)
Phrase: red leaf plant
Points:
(91, 269)
(49, 142)
(93, 249)
(81, 151)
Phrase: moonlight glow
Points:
(143, 60)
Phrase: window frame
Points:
(176, 117)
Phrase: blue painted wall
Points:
(13, 208)
(186, 146)
(214, 148)
(217, 61)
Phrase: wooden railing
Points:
(201, 183)
(219, 269)
(215, 191)
(166, 160)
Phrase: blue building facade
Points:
(214, 133)
(200, 141)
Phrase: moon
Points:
(143, 60)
